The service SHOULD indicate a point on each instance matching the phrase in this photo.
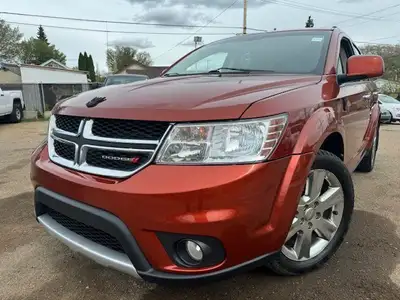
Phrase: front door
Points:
(356, 100)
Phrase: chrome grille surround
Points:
(84, 139)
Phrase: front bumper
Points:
(248, 208)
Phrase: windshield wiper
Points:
(246, 71)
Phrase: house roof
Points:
(52, 60)
(52, 68)
(14, 68)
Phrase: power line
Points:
(120, 22)
(360, 23)
(368, 14)
(115, 31)
(187, 38)
(307, 7)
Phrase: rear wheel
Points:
(323, 216)
(17, 113)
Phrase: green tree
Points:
(122, 57)
(41, 35)
(391, 57)
(310, 22)
(9, 42)
(85, 61)
(90, 65)
(80, 61)
(35, 51)
(144, 58)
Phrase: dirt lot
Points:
(35, 266)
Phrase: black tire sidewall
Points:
(335, 166)
(17, 107)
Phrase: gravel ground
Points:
(35, 266)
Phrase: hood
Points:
(186, 98)
(392, 107)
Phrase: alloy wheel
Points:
(319, 214)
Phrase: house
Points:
(9, 74)
(55, 64)
(42, 86)
(139, 68)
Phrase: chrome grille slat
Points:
(85, 141)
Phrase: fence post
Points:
(42, 98)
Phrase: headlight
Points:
(223, 142)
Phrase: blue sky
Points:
(356, 17)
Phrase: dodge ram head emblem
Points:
(95, 101)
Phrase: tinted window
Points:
(299, 52)
(123, 79)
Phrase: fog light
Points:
(194, 250)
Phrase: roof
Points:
(52, 60)
(269, 33)
(52, 68)
(14, 68)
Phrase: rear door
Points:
(357, 98)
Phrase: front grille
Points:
(116, 160)
(104, 147)
(68, 123)
(64, 150)
(129, 129)
(95, 235)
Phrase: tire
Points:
(17, 113)
(367, 164)
(282, 263)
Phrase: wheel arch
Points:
(322, 131)
(17, 100)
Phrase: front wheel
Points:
(323, 217)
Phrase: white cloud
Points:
(139, 43)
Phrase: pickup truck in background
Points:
(12, 105)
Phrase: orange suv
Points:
(240, 155)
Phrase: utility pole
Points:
(245, 17)
(197, 40)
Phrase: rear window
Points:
(297, 52)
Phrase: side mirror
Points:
(361, 67)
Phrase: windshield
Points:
(296, 52)
(388, 99)
(123, 79)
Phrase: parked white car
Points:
(12, 105)
(392, 105)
